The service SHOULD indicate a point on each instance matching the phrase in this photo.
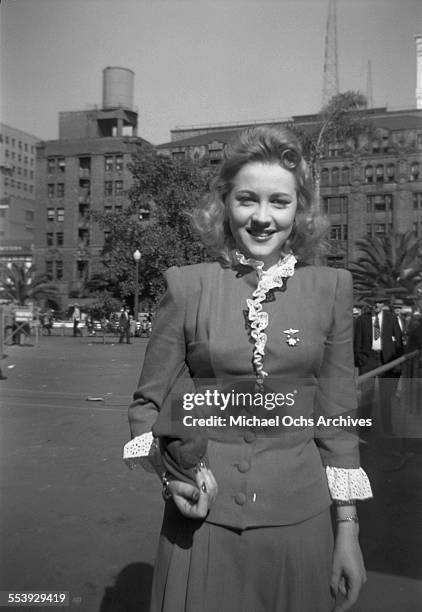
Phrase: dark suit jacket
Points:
(200, 340)
(391, 338)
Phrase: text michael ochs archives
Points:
(233, 400)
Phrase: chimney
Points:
(418, 39)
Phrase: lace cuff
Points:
(348, 484)
(144, 451)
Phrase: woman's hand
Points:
(195, 502)
(348, 575)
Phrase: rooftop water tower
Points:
(118, 84)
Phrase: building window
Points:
(26, 147)
(49, 241)
(108, 208)
(379, 203)
(108, 188)
(118, 208)
(369, 174)
(335, 261)
(325, 177)
(49, 270)
(25, 172)
(335, 205)
(19, 171)
(59, 239)
(51, 165)
(380, 173)
(335, 232)
(50, 214)
(108, 163)
(50, 190)
(60, 190)
(31, 188)
(414, 171)
(391, 171)
(118, 188)
(59, 270)
(29, 215)
(25, 160)
(380, 228)
(336, 149)
(60, 214)
(119, 163)
(345, 175)
(31, 174)
(6, 152)
(61, 163)
(417, 200)
(335, 177)
(375, 146)
(81, 269)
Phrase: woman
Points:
(249, 529)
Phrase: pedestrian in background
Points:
(124, 326)
(76, 317)
(378, 341)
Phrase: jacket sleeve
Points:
(164, 363)
(336, 396)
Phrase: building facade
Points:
(17, 195)
(85, 170)
(368, 187)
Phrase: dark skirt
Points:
(202, 567)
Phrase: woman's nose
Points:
(261, 215)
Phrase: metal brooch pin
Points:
(291, 338)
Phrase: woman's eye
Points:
(245, 199)
(281, 203)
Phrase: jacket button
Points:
(240, 499)
(249, 436)
(244, 466)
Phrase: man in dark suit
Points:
(378, 340)
(124, 326)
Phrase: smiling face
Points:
(261, 207)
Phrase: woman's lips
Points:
(261, 235)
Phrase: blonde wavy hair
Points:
(270, 145)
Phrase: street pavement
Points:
(74, 518)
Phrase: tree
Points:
(342, 119)
(169, 190)
(21, 284)
(393, 261)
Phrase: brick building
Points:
(17, 194)
(84, 170)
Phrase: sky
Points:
(199, 61)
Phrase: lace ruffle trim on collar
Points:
(267, 279)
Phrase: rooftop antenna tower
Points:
(369, 97)
(330, 83)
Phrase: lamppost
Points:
(137, 257)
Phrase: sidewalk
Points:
(74, 518)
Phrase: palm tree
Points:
(342, 119)
(393, 261)
(21, 284)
